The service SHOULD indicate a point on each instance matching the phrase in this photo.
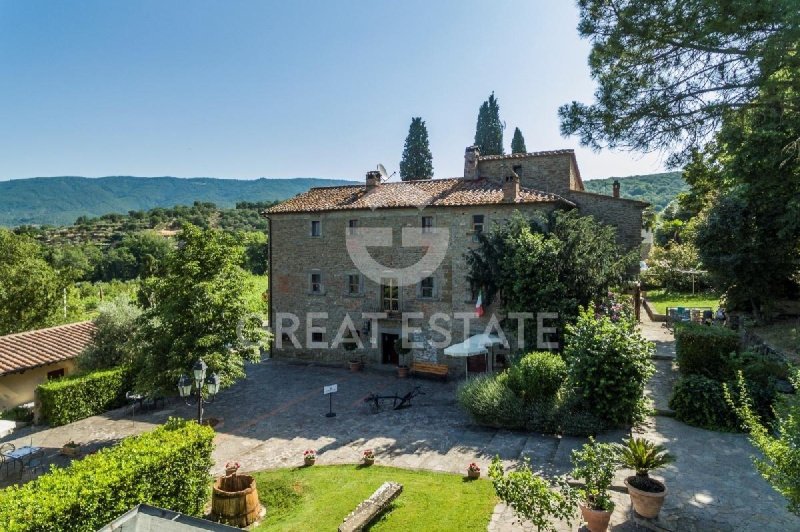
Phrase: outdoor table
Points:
(21, 454)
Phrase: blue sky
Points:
(281, 89)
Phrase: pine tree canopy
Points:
(669, 71)
(518, 142)
(417, 161)
(489, 130)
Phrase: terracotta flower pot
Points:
(473, 474)
(596, 520)
(369, 461)
(646, 503)
(355, 365)
(309, 461)
(402, 372)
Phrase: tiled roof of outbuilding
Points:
(452, 192)
(32, 349)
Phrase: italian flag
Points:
(479, 304)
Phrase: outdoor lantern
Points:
(212, 384)
(184, 386)
(199, 371)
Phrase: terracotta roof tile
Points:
(524, 155)
(452, 192)
(32, 349)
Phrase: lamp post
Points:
(201, 381)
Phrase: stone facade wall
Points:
(296, 254)
(624, 214)
(552, 173)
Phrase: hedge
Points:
(72, 398)
(167, 467)
(705, 350)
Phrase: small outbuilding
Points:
(28, 359)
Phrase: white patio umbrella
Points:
(474, 345)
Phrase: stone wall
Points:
(296, 254)
(624, 214)
(548, 173)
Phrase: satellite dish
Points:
(384, 174)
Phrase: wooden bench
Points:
(429, 368)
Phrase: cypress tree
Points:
(518, 142)
(417, 161)
(489, 131)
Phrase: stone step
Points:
(507, 444)
(561, 462)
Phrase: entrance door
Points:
(387, 348)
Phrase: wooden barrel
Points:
(234, 500)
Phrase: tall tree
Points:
(553, 264)
(417, 161)
(518, 142)
(489, 130)
(669, 70)
(30, 289)
(200, 311)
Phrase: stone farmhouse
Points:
(314, 253)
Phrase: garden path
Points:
(712, 485)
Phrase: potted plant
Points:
(231, 468)
(369, 457)
(309, 457)
(71, 449)
(473, 470)
(594, 464)
(350, 343)
(402, 352)
(641, 455)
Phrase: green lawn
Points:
(661, 299)
(319, 497)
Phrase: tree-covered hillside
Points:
(61, 200)
(657, 189)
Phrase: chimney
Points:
(615, 188)
(511, 186)
(373, 179)
(471, 155)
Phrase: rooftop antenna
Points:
(384, 174)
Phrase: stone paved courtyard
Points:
(278, 411)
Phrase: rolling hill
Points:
(657, 189)
(61, 200)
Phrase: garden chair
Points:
(6, 460)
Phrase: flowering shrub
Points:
(310, 454)
(616, 306)
(369, 454)
(473, 467)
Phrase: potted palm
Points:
(594, 464)
(402, 352)
(641, 455)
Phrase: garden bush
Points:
(167, 467)
(537, 377)
(608, 365)
(490, 401)
(705, 350)
(700, 401)
(72, 398)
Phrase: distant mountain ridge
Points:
(656, 189)
(61, 200)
